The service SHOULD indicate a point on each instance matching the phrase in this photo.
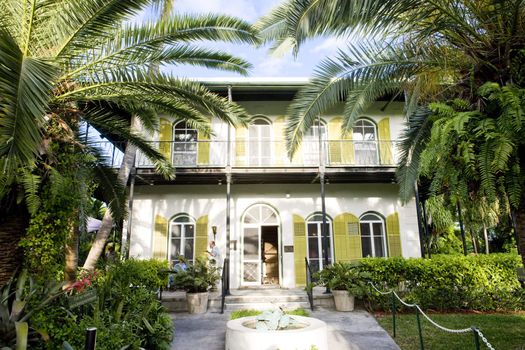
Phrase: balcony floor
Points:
(271, 175)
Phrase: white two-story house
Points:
(264, 210)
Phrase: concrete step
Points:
(254, 299)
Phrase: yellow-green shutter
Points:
(385, 142)
(347, 149)
(347, 240)
(299, 242)
(160, 238)
(203, 150)
(240, 146)
(201, 236)
(394, 235)
(279, 142)
(335, 144)
(165, 138)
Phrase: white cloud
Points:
(330, 45)
(240, 8)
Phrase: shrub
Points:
(197, 277)
(126, 311)
(484, 282)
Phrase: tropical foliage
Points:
(466, 54)
(69, 63)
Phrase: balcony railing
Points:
(265, 154)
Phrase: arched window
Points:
(259, 142)
(182, 239)
(311, 143)
(315, 243)
(184, 144)
(373, 240)
(365, 142)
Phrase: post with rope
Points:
(394, 313)
(421, 345)
(476, 338)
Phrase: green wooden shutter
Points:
(385, 144)
(394, 235)
(201, 237)
(299, 242)
(279, 144)
(160, 238)
(335, 144)
(203, 150)
(240, 146)
(347, 240)
(166, 138)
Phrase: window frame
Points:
(182, 239)
(372, 235)
(261, 143)
(319, 224)
(195, 153)
(363, 142)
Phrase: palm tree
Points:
(59, 56)
(429, 50)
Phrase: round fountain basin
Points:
(242, 335)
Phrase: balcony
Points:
(264, 154)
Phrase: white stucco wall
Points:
(303, 200)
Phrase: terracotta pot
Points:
(197, 302)
(343, 300)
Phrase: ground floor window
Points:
(315, 241)
(182, 239)
(373, 240)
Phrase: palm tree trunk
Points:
(473, 242)
(107, 221)
(520, 230)
(71, 254)
(13, 226)
(486, 236)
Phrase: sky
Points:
(264, 65)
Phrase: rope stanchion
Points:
(475, 331)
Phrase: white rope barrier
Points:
(434, 323)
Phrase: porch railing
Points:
(263, 153)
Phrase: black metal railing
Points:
(225, 282)
(309, 284)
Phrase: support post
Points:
(394, 314)
(419, 218)
(462, 229)
(421, 345)
(324, 231)
(477, 344)
(91, 338)
(228, 199)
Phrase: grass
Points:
(503, 331)
(245, 313)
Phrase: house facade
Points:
(264, 210)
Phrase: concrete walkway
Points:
(356, 330)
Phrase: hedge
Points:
(449, 282)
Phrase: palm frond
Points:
(25, 86)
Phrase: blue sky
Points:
(264, 64)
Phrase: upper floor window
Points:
(365, 142)
(184, 144)
(373, 240)
(259, 142)
(315, 244)
(311, 150)
(182, 239)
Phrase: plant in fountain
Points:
(346, 281)
(273, 320)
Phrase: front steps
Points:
(253, 299)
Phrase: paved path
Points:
(356, 330)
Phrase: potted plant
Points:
(346, 282)
(196, 279)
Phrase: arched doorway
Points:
(260, 246)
